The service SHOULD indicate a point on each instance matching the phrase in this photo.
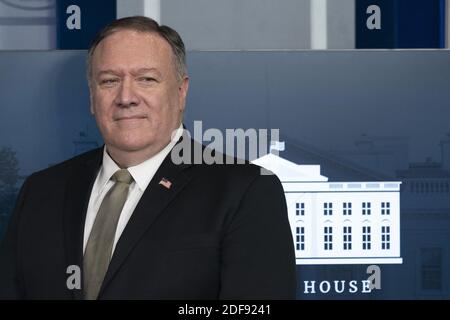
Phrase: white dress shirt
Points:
(142, 175)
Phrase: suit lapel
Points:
(79, 188)
(155, 198)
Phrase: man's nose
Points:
(126, 96)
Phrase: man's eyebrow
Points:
(145, 70)
(137, 71)
(107, 72)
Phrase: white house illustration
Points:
(338, 222)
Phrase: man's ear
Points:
(91, 101)
(182, 91)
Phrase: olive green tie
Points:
(99, 246)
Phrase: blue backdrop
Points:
(378, 114)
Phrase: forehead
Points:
(128, 48)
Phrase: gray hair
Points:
(142, 24)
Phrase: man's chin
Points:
(132, 146)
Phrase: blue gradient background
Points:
(372, 112)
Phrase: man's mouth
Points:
(130, 118)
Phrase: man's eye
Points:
(108, 81)
(146, 79)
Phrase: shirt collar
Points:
(141, 173)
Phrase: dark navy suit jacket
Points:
(219, 232)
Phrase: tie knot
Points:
(122, 176)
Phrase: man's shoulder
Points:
(232, 169)
(228, 169)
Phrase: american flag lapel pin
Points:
(165, 183)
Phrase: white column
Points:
(152, 9)
(341, 24)
(128, 8)
(148, 8)
(318, 24)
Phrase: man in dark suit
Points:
(127, 222)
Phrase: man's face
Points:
(136, 97)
